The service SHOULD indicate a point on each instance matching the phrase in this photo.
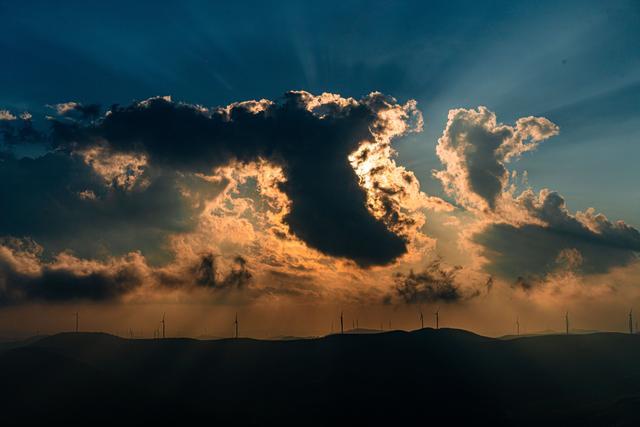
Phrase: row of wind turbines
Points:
(568, 329)
(355, 322)
(160, 331)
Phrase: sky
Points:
(290, 161)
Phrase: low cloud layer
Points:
(26, 276)
(527, 252)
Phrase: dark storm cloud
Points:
(64, 285)
(434, 283)
(550, 207)
(63, 204)
(77, 110)
(105, 200)
(23, 278)
(522, 252)
(18, 130)
(526, 284)
(328, 209)
(206, 274)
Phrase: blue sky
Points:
(577, 63)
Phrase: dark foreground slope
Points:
(396, 378)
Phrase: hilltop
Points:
(396, 377)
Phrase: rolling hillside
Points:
(423, 376)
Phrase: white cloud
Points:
(6, 115)
(474, 149)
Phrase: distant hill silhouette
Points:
(363, 331)
(207, 337)
(9, 344)
(396, 378)
(551, 332)
(290, 338)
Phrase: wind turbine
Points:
(631, 321)
(517, 326)
(437, 314)
(163, 326)
(421, 320)
(236, 324)
(341, 322)
(566, 322)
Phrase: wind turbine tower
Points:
(163, 326)
(631, 321)
(76, 322)
(421, 320)
(566, 322)
(437, 314)
(236, 325)
(517, 326)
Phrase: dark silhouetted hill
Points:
(363, 331)
(9, 343)
(396, 378)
